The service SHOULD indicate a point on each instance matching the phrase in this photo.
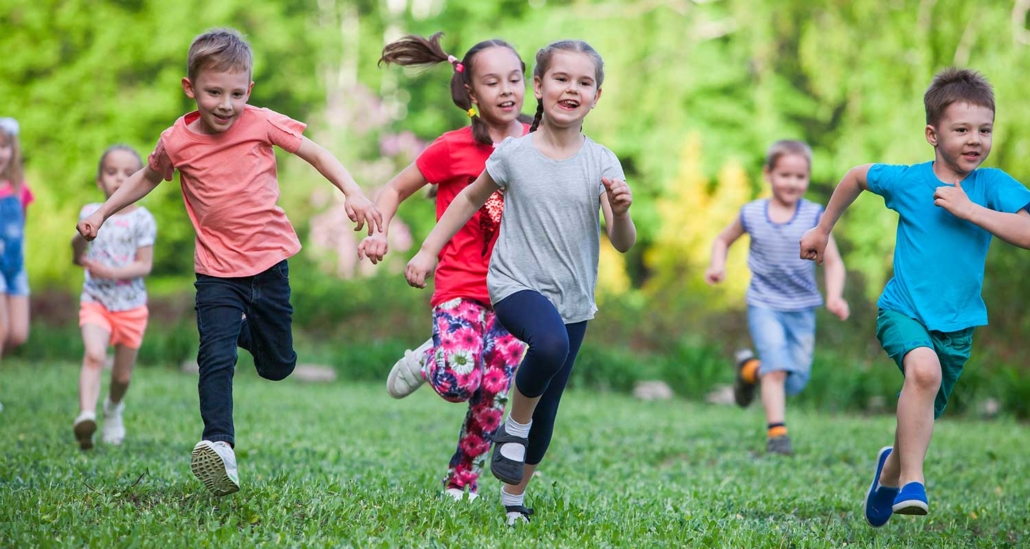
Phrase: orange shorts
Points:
(126, 327)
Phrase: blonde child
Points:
(949, 209)
(113, 307)
(223, 152)
(783, 295)
(543, 271)
(471, 357)
(15, 198)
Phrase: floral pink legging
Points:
(473, 360)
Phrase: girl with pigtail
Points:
(471, 357)
(543, 272)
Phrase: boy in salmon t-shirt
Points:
(227, 170)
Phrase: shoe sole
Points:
(911, 507)
(872, 487)
(209, 469)
(743, 392)
(84, 433)
(391, 382)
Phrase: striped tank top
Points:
(780, 279)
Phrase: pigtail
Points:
(539, 115)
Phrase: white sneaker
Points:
(114, 430)
(457, 494)
(214, 464)
(406, 375)
(84, 427)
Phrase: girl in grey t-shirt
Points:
(544, 267)
(113, 309)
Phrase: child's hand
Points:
(838, 307)
(619, 195)
(98, 270)
(714, 276)
(373, 247)
(88, 227)
(419, 269)
(955, 200)
(361, 210)
(813, 244)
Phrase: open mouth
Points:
(222, 119)
(971, 155)
(507, 105)
(568, 104)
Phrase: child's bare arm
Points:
(615, 203)
(136, 187)
(1013, 228)
(397, 190)
(813, 243)
(835, 277)
(359, 208)
(79, 247)
(141, 266)
(462, 208)
(716, 271)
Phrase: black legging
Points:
(553, 346)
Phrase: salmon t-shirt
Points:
(229, 184)
(453, 162)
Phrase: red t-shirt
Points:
(453, 162)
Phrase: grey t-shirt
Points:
(549, 239)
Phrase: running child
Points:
(949, 209)
(471, 357)
(544, 268)
(113, 306)
(223, 152)
(15, 198)
(783, 294)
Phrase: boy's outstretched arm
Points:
(79, 248)
(397, 190)
(814, 241)
(1013, 228)
(462, 208)
(716, 271)
(359, 208)
(835, 276)
(136, 187)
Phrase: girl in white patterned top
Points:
(113, 307)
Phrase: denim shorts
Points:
(16, 283)
(785, 342)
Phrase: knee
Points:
(94, 359)
(279, 371)
(776, 376)
(550, 351)
(924, 374)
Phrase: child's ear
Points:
(596, 98)
(187, 88)
(538, 87)
(931, 135)
(472, 94)
(766, 173)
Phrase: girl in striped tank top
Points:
(783, 293)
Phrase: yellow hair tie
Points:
(472, 112)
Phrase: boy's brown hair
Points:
(221, 50)
(956, 86)
(784, 147)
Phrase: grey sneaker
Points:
(406, 376)
(743, 392)
(214, 464)
(84, 427)
(114, 430)
(779, 445)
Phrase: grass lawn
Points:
(344, 465)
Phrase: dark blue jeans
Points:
(545, 370)
(267, 333)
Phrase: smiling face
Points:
(220, 96)
(116, 167)
(498, 85)
(962, 140)
(789, 178)
(568, 89)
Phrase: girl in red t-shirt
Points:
(470, 357)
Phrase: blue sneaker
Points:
(911, 500)
(880, 499)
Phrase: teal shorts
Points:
(899, 334)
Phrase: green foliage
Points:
(344, 465)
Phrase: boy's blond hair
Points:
(784, 147)
(956, 86)
(221, 50)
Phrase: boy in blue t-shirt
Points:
(948, 211)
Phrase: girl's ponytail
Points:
(417, 51)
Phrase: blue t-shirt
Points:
(780, 279)
(939, 258)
